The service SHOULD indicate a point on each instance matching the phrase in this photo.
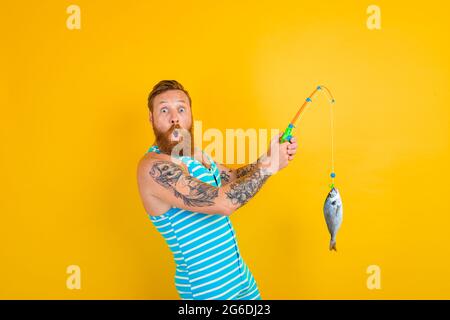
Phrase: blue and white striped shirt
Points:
(204, 246)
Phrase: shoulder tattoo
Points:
(192, 191)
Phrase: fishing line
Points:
(287, 135)
(332, 175)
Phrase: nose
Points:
(174, 118)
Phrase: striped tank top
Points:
(208, 263)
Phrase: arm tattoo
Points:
(225, 176)
(228, 175)
(192, 191)
(243, 171)
(246, 187)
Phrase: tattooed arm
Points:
(164, 184)
(228, 175)
(164, 181)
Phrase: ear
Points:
(150, 117)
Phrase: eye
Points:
(181, 109)
(164, 110)
(333, 203)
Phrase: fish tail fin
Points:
(333, 245)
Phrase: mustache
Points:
(173, 127)
(165, 143)
(164, 136)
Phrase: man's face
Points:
(171, 111)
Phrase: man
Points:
(189, 199)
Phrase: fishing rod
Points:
(287, 135)
(333, 207)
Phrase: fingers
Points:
(287, 149)
(293, 142)
(292, 148)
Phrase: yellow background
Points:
(74, 124)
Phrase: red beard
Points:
(166, 145)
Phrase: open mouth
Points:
(176, 134)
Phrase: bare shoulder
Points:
(148, 161)
(152, 203)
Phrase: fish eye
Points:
(333, 203)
